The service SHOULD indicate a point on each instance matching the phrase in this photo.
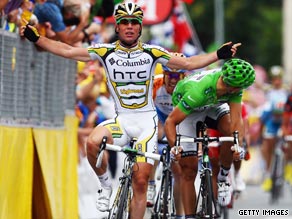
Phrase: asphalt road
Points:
(252, 203)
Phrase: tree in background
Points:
(256, 24)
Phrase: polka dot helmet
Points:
(238, 73)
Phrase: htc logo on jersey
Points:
(129, 75)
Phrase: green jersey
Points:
(198, 92)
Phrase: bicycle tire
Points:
(124, 202)
(165, 195)
(277, 176)
(207, 194)
(164, 204)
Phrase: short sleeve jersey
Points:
(130, 73)
(197, 92)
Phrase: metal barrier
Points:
(37, 88)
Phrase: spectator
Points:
(62, 16)
(9, 5)
(254, 99)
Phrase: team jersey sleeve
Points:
(159, 53)
(190, 101)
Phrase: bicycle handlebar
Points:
(208, 139)
(125, 150)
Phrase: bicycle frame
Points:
(205, 197)
(164, 204)
(120, 209)
(277, 171)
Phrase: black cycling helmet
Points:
(238, 73)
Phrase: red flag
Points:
(188, 1)
(182, 30)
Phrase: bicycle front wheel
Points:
(168, 202)
(277, 175)
(123, 208)
(207, 195)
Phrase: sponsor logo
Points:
(127, 63)
(129, 74)
(112, 61)
(131, 91)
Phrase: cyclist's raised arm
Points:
(227, 50)
(53, 46)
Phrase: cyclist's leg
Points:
(177, 172)
(146, 133)
(92, 148)
(219, 118)
(221, 121)
(225, 155)
(239, 182)
(267, 149)
(139, 184)
(189, 164)
(93, 143)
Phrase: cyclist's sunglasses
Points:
(173, 75)
(126, 21)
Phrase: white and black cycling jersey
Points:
(130, 73)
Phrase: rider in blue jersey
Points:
(271, 120)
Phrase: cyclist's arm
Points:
(174, 118)
(236, 123)
(55, 47)
(63, 49)
(198, 61)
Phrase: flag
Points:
(182, 30)
(188, 1)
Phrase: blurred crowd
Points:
(84, 22)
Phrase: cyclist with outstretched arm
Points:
(129, 66)
(212, 97)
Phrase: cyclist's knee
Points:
(140, 185)
(189, 174)
(95, 138)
